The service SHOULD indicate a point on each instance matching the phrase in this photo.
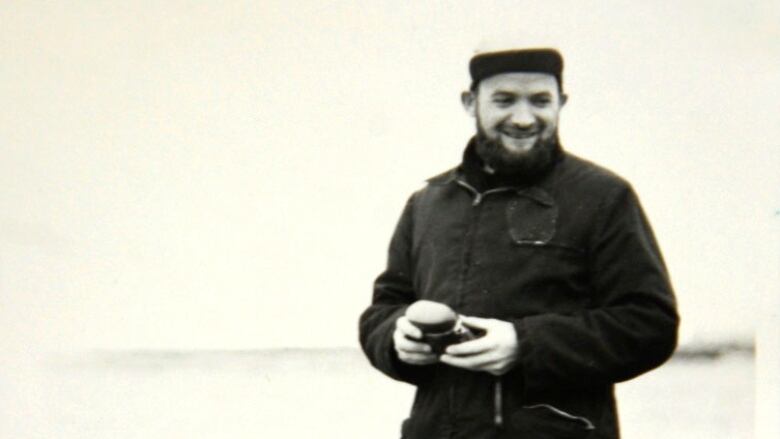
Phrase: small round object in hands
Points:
(431, 316)
(440, 325)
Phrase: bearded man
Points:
(547, 254)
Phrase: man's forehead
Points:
(519, 82)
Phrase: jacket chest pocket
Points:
(531, 221)
(534, 232)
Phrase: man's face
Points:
(518, 111)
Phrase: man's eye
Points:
(503, 100)
(540, 102)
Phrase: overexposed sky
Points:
(227, 174)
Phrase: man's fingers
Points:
(479, 362)
(402, 343)
(412, 352)
(471, 347)
(417, 356)
(417, 359)
(407, 345)
(407, 328)
(477, 322)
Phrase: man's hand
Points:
(410, 351)
(495, 352)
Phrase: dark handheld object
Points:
(440, 325)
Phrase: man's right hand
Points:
(410, 351)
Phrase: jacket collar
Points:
(471, 171)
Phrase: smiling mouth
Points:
(520, 135)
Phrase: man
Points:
(550, 255)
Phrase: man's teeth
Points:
(521, 135)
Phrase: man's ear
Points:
(564, 99)
(469, 101)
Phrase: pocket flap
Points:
(543, 421)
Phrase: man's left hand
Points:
(495, 352)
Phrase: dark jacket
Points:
(569, 259)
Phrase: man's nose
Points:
(522, 116)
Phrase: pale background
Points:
(226, 175)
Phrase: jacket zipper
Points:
(498, 403)
(498, 409)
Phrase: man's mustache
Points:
(520, 130)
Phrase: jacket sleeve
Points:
(631, 324)
(393, 292)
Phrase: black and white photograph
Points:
(417, 220)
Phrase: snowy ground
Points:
(309, 393)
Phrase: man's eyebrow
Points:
(542, 93)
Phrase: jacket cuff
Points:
(525, 355)
(392, 365)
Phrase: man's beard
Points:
(526, 165)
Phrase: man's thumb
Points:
(476, 322)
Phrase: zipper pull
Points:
(477, 199)
(498, 418)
